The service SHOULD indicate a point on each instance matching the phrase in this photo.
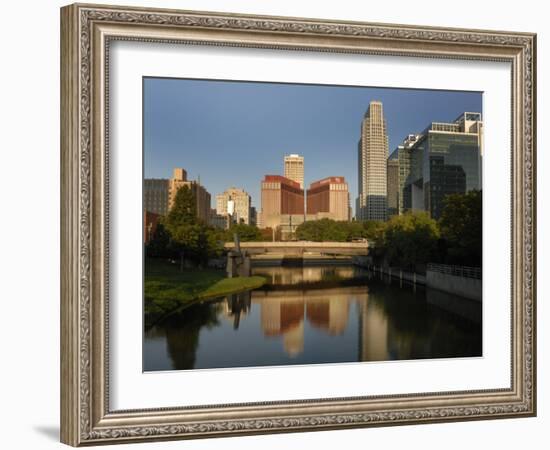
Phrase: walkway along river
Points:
(319, 314)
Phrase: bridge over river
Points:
(302, 249)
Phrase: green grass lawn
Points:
(167, 288)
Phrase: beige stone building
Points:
(294, 168)
(372, 157)
(179, 180)
(329, 198)
(236, 203)
(218, 220)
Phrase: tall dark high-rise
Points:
(393, 186)
(444, 159)
(155, 195)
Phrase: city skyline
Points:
(193, 123)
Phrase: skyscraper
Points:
(444, 159)
(393, 186)
(294, 168)
(372, 157)
(410, 167)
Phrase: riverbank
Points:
(167, 288)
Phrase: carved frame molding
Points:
(86, 32)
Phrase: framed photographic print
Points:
(275, 224)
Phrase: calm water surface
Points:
(309, 315)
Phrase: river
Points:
(312, 315)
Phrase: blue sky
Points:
(233, 133)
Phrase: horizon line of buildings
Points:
(445, 158)
(283, 200)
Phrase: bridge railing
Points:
(459, 271)
(299, 244)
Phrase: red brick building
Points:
(329, 198)
(150, 222)
(280, 197)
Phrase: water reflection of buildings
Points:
(292, 275)
(283, 313)
(347, 323)
(373, 332)
(388, 326)
(235, 306)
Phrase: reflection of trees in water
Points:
(182, 332)
(182, 328)
(415, 329)
(394, 323)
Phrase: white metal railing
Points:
(459, 271)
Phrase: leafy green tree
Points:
(266, 234)
(340, 231)
(158, 246)
(461, 228)
(356, 230)
(373, 230)
(324, 230)
(247, 233)
(189, 234)
(313, 230)
(184, 209)
(410, 239)
(216, 239)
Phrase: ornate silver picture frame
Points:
(87, 32)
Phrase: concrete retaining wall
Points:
(462, 286)
(395, 273)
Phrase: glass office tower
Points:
(445, 159)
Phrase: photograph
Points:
(286, 223)
(294, 224)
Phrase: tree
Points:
(184, 209)
(461, 228)
(410, 239)
(247, 233)
(266, 234)
(191, 240)
(158, 246)
(356, 230)
(216, 238)
(323, 230)
(373, 230)
(189, 234)
(339, 231)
